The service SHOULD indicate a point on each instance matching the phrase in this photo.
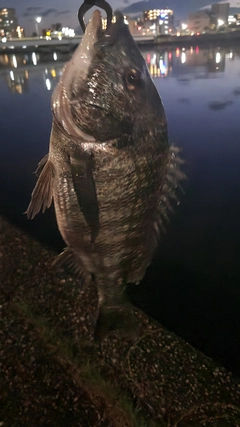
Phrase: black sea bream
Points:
(110, 170)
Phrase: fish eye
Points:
(132, 78)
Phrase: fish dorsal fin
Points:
(169, 191)
(42, 194)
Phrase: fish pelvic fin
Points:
(41, 198)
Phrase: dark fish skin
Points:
(110, 170)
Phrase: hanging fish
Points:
(110, 170)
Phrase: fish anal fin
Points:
(42, 194)
(67, 259)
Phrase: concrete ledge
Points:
(53, 374)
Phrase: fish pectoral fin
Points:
(41, 165)
(42, 194)
(67, 259)
(82, 166)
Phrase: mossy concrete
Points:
(52, 373)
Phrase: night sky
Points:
(51, 11)
(65, 11)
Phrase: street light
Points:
(38, 20)
(220, 22)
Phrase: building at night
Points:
(220, 12)
(57, 27)
(132, 24)
(8, 22)
(163, 18)
(198, 22)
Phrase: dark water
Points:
(193, 284)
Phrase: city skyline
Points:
(53, 11)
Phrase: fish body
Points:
(110, 170)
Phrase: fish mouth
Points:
(88, 5)
(94, 27)
(75, 73)
(81, 60)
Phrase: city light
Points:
(162, 67)
(183, 57)
(14, 61)
(19, 33)
(48, 84)
(220, 22)
(34, 58)
(218, 57)
(231, 19)
(38, 20)
(68, 32)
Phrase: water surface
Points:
(193, 284)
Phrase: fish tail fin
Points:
(117, 319)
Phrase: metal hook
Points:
(90, 3)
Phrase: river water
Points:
(193, 284)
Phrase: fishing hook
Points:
(87, 4)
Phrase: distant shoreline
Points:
(69, 44)
(232, 36)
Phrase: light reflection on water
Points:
(161, 63)
(19, 69)
(193, 284)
